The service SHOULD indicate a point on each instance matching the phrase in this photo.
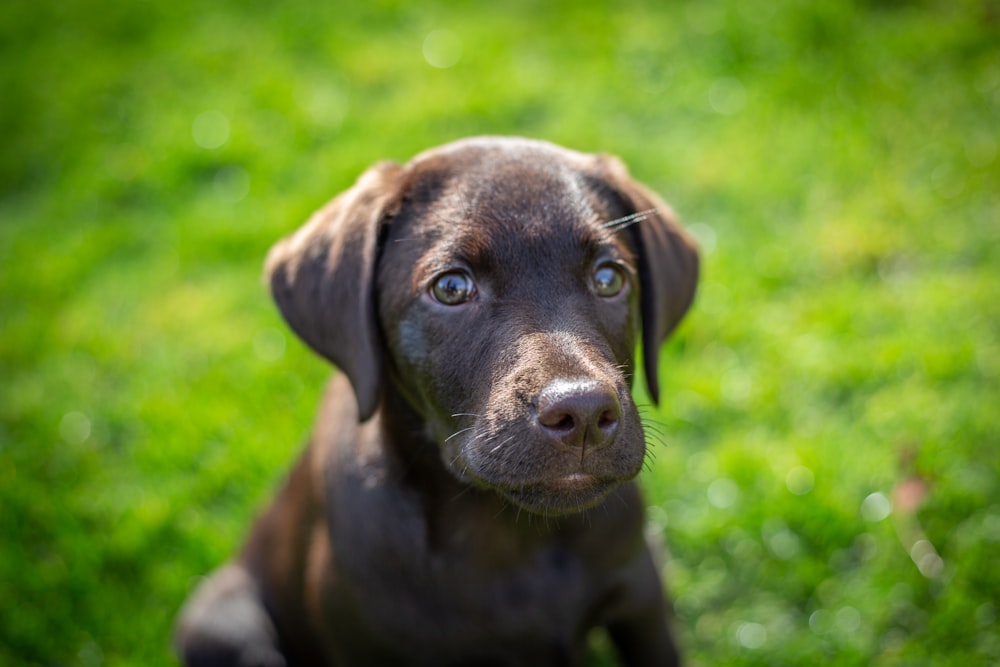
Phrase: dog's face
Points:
(509, 312)
(501, 289)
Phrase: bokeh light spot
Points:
(847, 619)
(819, 621)
(210, 129)
(927, 559)
(723, 493)
(782, 542)
(875, 507)
(442, 49)
(736, 386)
(800, 480)
(75, 428)
(727, 96)
(751, 635)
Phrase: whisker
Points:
(483, 438)
(462, 493)
(459, 432)
(657, 426)
(502, 443)
(625, 221)
(656, 439)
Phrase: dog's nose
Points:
(579, 412)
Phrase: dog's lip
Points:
(576, 481)
(569, 483)
(569, 480)
(564, 494)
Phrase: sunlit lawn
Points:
(827, 473)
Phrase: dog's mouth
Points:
(566, 494)
(542, 477)
(562, 495)
(574, 482)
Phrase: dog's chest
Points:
(465, 585)
(475, 595)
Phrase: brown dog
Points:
(466, 496)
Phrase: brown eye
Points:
(453, 288)
(609, 279)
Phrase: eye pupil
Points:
(608, 280)
(453, 288)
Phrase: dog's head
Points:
(498, 285)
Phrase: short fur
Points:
(467, 497)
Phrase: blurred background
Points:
(827, 473)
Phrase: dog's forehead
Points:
(529, 201)
(508, 197)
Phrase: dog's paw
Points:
(224, 624)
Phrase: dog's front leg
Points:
(639, 625)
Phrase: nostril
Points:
(607, 420)
(567, 423)
(555, 415)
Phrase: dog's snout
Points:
(579, 413)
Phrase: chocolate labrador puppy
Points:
(467, 495)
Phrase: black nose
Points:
(579, 413)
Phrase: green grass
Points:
(840, 162)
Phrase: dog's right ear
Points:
(322, 279)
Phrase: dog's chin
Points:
(560, 496)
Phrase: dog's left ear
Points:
(322, 279)
(668, 264)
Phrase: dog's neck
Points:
(412, 450)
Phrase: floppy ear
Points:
(668, 265)
(322, 280)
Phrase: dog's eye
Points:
(609, 279)
(453, 288)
